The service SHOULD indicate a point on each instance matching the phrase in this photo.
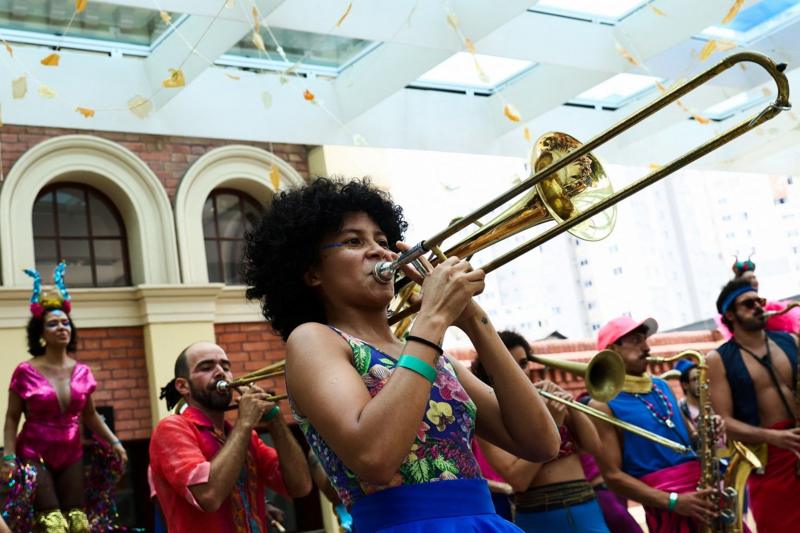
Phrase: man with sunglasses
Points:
(753, 381)
(661, 479)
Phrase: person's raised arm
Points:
(511, 414)
(226, 466)
(722, 402)
(517, 472)
(609, 458)
(13, 413)
(373, 435)
(292, 461)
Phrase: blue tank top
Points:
(641, 456)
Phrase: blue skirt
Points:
(461, 505)
(582, 518)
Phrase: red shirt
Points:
(181, 449)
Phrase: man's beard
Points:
(756, 323)
(210, 399)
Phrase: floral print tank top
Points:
(441, 450)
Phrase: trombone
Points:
(548, 178)
(604, 375)
(779, 312)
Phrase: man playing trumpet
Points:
(761, 367)
(210, 475)
(663, 480)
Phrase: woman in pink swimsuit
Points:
(54, 391)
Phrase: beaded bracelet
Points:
(673, 500)
(272, 413)
(426, 342)
(417, 365)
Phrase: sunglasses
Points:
(752, 302)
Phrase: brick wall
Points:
(251, 346)
(116, 356)
(167, 156)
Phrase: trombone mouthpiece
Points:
(383, 272)
(222, 386)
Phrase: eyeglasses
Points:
(751, 303)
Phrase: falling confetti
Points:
(266, 99)
(527, 134)
(511, 113)
(165, 17)
(627, 55)
(344, 15)
(700, 119)
(140, 106)
(51, 60)
(9, 49)
(230, 3)
(657, 11)
(308, 95)
(46, 92)
(85, 111)
(708, 49)
(661, 87)
(733, 11)
(80, 5)
(725, 44)
(655, 166)
(481, 73)
(176, 79)
(19, 87)
(231, 76)
(275, 177)
(259, 42)
(256, 20)
(452, 20)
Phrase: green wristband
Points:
(673, 500)
(272, 413)
(417, 365)
(10, 457)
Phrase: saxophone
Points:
(729, 496)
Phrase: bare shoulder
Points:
(713, 357)
(600, 406)
(310, 342)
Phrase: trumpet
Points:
(571, 187)
(604, 376)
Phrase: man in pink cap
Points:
(662, 480)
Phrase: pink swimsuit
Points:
(48, 434)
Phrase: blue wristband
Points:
(272, 413)
(417, 365)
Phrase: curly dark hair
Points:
(733, 285)
(286, 243)
(35, 328)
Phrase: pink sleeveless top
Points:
(48, 434)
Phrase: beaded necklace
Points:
(666, 420)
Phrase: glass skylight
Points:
(735, 104)
(45, 19)
(756, 21)
(617, 91)
(605, 10)
(326, 52)
(460, 71)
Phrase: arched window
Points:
(80, 225)
(227, 216)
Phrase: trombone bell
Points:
(604, 374)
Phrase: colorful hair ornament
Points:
(60, 300)
(740, 267)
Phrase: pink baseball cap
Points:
(620, 327)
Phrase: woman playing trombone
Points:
(390, 421)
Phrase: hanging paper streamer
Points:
(657, 11)
(176, 79)
(51, 60)
(165, 17)
(85, 111)
(308, 96)
(511, 113)
(733, 11)
(231, 76)
(258, 41)
(46, 92)
(140, 106)
(80, 5)
(527, 134)
(344, 15)
(708, 49)
(627, 55)
(9, 49)
(275, 177)
(19, 87)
